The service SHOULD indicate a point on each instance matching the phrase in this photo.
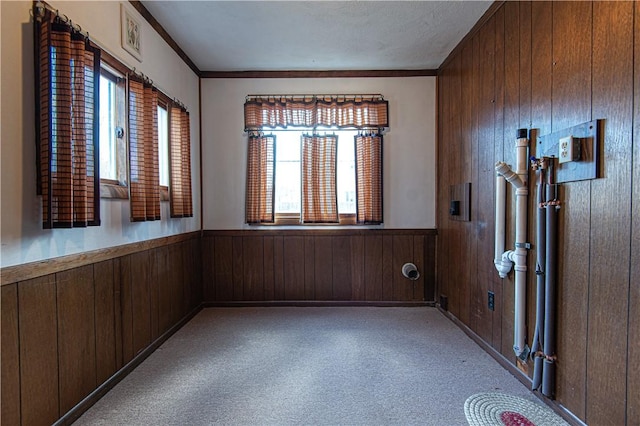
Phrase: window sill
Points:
(293, 220)
(113, 189)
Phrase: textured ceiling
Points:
(317, 35)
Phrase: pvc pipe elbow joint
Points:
(511, 176)
(504, 264)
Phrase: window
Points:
(163, 150)
(287, 187)
(318, 172)
(112, 141)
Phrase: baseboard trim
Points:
(507, 365)
(73, 414)
(314, 303)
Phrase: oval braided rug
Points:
(489, 409)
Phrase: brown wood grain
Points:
(268, 286)
(10, 359)
(76, 335)
(402, 253)
(154, 294)
(465, 239)
(278, 267)
(323, 265)
(571, 104)
(38, 351)
(357, 267)
(373, 267)
(140, 300)
(342, 283)
(164, 289)
(633, 358)
(387, 267)
(105, 322)
(486, 179)
(309, 268)
(12, 274)
(208, 268)
(238, 264)
(418, 260)
(176, 282)
(429, 269)
(293, 267)
(196, 273)
(253, 267)
(188, 257)
(475, 197)
(126, 300)
(117, 302)
(612, 97)
(223, 264)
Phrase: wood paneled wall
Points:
(323, 265)
(548, 66)
(67, 332)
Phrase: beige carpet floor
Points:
(308, 366)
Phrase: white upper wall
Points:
(23, 239)
(409, 167)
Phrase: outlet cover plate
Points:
(588, 166)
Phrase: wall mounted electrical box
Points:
(569, 149)
(460, 202)
(577, 150)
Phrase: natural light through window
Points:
(288, 170)
(163, 145)
(108, 146)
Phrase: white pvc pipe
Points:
(518, 256)
(500, 224)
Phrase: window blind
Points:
(144, 181)
(67, 73)
(180, 196)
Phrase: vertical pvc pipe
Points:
(501, 186)
(520, 261)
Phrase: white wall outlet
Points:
(568, 149)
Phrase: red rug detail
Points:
(509, 418)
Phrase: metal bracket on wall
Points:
(588, 165)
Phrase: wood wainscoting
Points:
(350, 265)
(77, 321)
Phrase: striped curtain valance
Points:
(354, 111)
(67, 93)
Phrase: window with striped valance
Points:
(67, 90)
(366, 114)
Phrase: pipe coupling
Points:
(512, 177)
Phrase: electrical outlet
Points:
(491, 301)
(568, 149)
